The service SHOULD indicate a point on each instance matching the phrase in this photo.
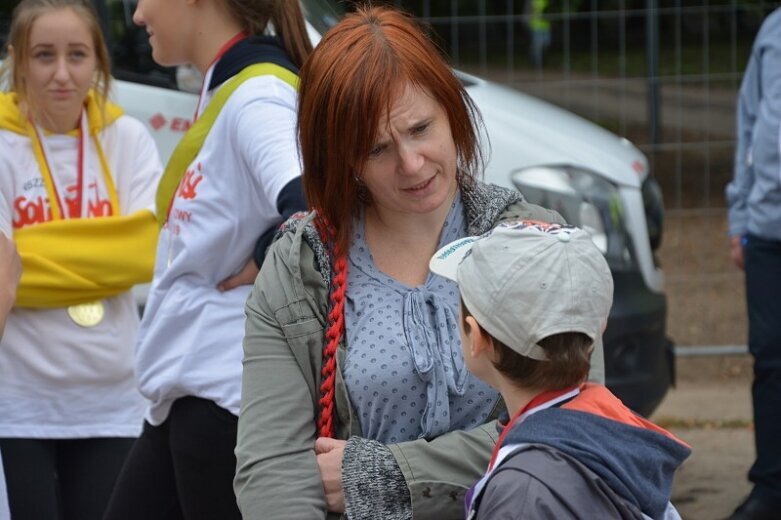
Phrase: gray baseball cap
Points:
(526, 280)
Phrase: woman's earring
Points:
(363, 192)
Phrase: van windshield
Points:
(322, 14)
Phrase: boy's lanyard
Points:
(539, 402)
(57, 200)
(87, 314)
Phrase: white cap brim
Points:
(445, 262)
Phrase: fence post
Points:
(652, 57)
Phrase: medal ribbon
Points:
(56, 202)
(210, 70)
(202, 96)
(190, 145)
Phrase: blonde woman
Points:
(76, 196)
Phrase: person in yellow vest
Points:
(235, 176)
(539, 30)
(77, 197)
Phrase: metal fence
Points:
(664, 74)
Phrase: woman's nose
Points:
(138, 18)
(410, 158)
(61, 73)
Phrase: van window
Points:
(131, 55)
(322, 14)
(6, 8)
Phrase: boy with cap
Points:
(535, 299)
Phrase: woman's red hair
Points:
(348, 86)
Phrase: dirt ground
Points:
(705, 291)
(711, 406)
(711, 410)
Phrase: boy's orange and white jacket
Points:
(581, 455)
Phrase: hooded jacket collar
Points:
(251, 50)
(635, 458)
(483, 204)
(14, 120)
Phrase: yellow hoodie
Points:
(73, 261)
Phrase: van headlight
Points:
(585, 200)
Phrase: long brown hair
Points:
(348, 84)
(284, 15)
(24, 16)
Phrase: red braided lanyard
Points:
(334, 332)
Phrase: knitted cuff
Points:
(374, 486)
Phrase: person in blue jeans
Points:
(754, 199)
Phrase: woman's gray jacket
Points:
(277, 475)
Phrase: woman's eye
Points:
(420, 128)
(43, 55)
(377, 150)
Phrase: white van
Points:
(595, 179)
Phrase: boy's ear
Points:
(479, 340)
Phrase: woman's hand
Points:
(736, 250)
(244, 277)
(329, 460)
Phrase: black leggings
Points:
(67, 479)
(182, 469)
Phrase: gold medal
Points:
(87, 314)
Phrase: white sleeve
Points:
(266, 135)
(5, 512)
(141, 169)
(6, 190)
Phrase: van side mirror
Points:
(188, 79)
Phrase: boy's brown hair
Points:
(568, 363)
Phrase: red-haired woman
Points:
(349, 336)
